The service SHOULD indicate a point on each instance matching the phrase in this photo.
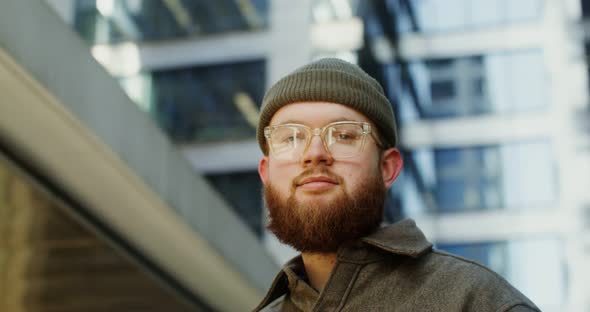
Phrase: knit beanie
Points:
(331, 80)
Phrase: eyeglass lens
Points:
(343, 140)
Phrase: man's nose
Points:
(317, 153)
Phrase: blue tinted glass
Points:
(412, 201)
(237, 189)
(451, 195)
(431, 16)
(133, 20)
(448, 157)
(516, 176)
(475, 85)
(203, 104)
(442, 89)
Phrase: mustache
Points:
(315, 171)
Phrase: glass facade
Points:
(208, 103)
(330, 10)
(509, 82)
(433, 16)
(112, 21)
(535, 266)
(427, 82)
(516, 176)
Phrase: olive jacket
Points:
(395, 269)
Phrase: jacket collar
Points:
(402, 238)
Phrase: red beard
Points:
(321, 227)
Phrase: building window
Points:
(501, 83)
(441, 90)
(515, 176)
(209, 103)
(113, 21)
(435, 16)
(241, 190)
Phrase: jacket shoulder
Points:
(475, 282)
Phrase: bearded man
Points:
(328, 135)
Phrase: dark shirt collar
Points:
(403, 238)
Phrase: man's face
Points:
(316, 202)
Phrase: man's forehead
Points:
(304, 122)
(316, 112)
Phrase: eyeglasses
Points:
(342, 139)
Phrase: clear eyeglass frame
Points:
(364, 127)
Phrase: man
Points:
(328, 135)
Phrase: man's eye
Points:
(293, 137)
(289, 139)
(345, 136)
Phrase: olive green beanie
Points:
(336, 81)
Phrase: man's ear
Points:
(263, 169)
(391, 165)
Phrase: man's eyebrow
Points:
(295, 121)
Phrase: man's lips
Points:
(317, 183)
